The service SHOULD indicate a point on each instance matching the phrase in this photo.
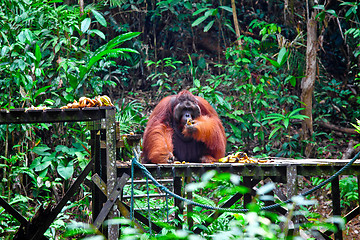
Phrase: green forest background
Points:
(283, 76)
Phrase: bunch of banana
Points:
(36, 108)
(98, 101)
(240, 157)
(103, 101)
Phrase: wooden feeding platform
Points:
(110, 176)
(52, 115)
(101, 123)
(278, 170)
(275, 168)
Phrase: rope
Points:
(166, 190)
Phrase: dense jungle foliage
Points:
(248, 58)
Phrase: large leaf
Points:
(99, 17)
(229, 9)
(282, 56)
(273, 62)
(109, 48)
(117, 41)
(209, 25)
(45, 163)
(41, 150)
(98, 32)
(200, 11)
(37, 53)
(199, 20)
(100, 55)
(66, 169)
(40, 91)
(85, 24)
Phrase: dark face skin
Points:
(186, 111)
(187, 115)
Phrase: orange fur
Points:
(210, 131)
(158, 136)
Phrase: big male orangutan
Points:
(183, 127)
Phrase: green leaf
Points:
(226, 8)
(21, 64)
(320, 7)
(28, 35)
(99, 17)
(245, 60)
(98, 32)
(45, 163)
(256, 149)
(74, 81)
(85, 24)
(332, 12)
(286, 122)
(22, 37)
(108, 48)
(197, 83)
(65, 169)
(273, 62)
(211, 12)
(100, 55)
(4, 50)
(295, 111)
(219, 99)
(320, 16)
(282, 56)
(274, 131)
(209, 25)
(199, 20)
(37, 53)
(41, 150)
(61, 148)
(188, 5)
(200, 11)
(41, 90)
(30, 54)
(291, 79)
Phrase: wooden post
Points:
(110, 131)
(335, 193)
(178, 203)
(292, 190)
(98, 198)
(247, 196)
(189, 206)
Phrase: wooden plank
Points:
(20, 115)
(50, 215)
(112, 197)
(180, 170)
(13, 212)
(121, 206)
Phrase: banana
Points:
(98, 101)
(106, 100)
(190, 122)
(240, 157)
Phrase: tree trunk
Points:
(236, 24)
(307, 84)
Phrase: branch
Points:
(337, 128)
